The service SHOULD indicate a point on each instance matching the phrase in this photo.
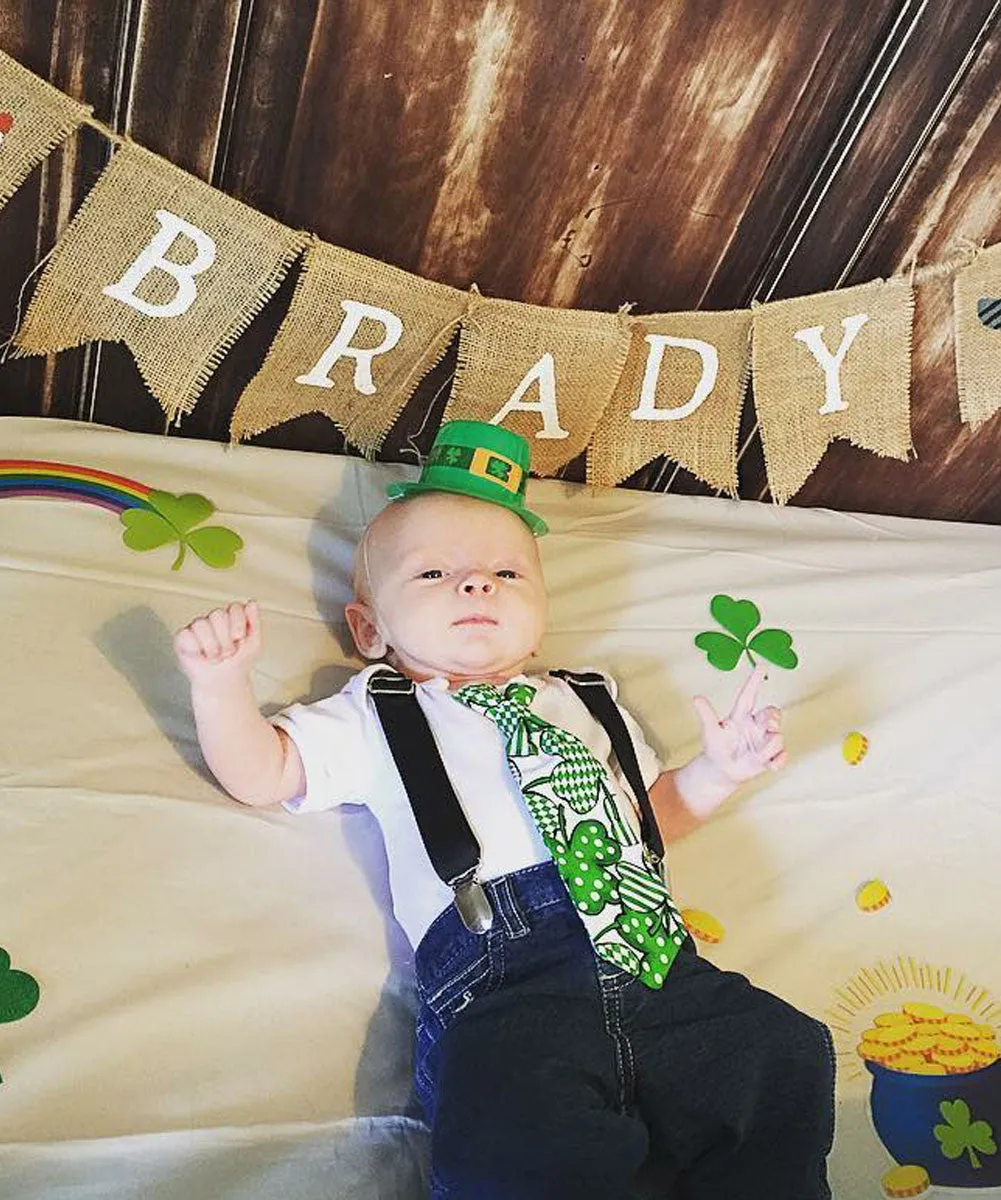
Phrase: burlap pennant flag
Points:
(34, 119)
(546, 373)
(357, 339)
(164, 263)
(977, 306)
(680, 394)
(833, 365)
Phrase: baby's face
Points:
(455, 589)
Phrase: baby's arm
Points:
(738, 748)
(255, 762)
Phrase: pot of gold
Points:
(936, 1092)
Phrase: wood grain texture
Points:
(672, 153)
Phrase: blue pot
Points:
(905, 1111)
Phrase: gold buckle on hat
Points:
(481, 460)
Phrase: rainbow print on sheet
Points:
(62, 481)
(151, 518)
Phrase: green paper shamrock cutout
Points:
(960, 1133)
(582, 865)
(172, 518)
(740, 618)
(18, 991)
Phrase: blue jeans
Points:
(547, 1073)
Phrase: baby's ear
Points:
(364, 630)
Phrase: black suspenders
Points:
(592, 690)
(450, 843)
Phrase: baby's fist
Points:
(223, 643)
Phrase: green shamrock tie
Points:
(625, 905)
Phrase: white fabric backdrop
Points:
(213, 1015)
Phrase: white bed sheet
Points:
(213, 1020)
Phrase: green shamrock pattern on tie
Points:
(625, 905)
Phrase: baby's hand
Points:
(223, 643)
(738, 748)
(745, 742)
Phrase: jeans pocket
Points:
(465, 982)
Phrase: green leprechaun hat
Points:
(474, 458)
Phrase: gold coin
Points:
(910, 1063)
(948, 1049)
(959, 1064)
(702, 925)
(955, 1029)
(929, 1068)
(982, 1031)
(891, 1035)
(872, 895)
(924, 1012)
(854, 748)
(893, 1018)
(905, 1181)
(961, 1017)
(921, 1043)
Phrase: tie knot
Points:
(489, 695)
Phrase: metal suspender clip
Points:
(471, 901)
(655, 862)
(443, 827)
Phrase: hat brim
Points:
(400, 491)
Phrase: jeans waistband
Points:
(515, 899)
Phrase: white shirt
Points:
(347, 761)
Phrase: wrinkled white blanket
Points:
(213, 1020)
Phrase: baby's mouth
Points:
(475, 619)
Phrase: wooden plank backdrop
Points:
(680, 154)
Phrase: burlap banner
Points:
(176, 270)
(34, 119)
(832, 365)
(977, 304)
(680, 394)
(355, 343)
(161, 261)
(527, 367)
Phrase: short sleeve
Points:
(333, 742)
(648, 759)
(646, 756)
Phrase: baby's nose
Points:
(478, 581)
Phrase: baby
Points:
(567, 1031)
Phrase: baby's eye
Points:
(507, 573)
(433, 573)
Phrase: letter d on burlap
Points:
(680, 395)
